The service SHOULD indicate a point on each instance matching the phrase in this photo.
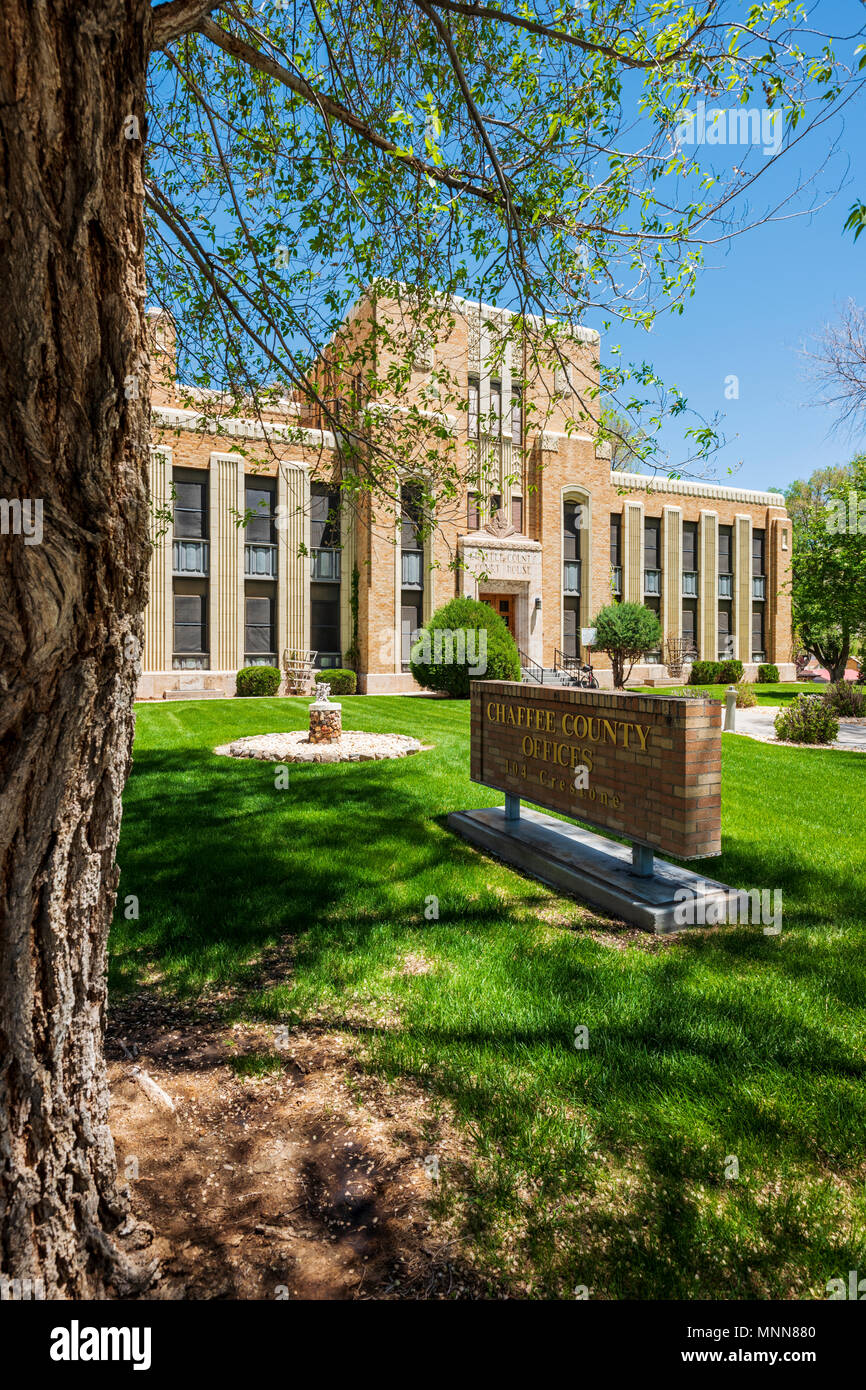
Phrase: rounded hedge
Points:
(448, 654)
(768, 673)
(807, 720)
(258, 680)
(341, 681)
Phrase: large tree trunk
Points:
(73, 436)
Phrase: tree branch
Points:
(586, 45)
(245, 53)
(175, 18)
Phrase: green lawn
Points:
(779, 694)
(602, 1167)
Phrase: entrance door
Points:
(503, 604)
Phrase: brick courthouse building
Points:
(546, 536)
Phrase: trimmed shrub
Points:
(730, 672)
(449, 652)
(807, 720)
(845, 698)
(705, 673)
(626, 632)
(342, 682)
(258, 680)
(768, 674)
(746, 697)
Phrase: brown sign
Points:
(647, 767)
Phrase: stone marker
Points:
(326, 719)
(646, 767)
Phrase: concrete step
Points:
(193, 695)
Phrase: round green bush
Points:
(448, 653)
(768, 673)
(845, 698)
(705, 673)
(807, 720)
(730, 671)
(258, 680)
(341, 681)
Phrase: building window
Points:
(759, 650)
(190, 508)
(412, 562)
(571, 627)
(690, 559)
(652, 574)
(190, 626)
(495, 421)
(260, 500)
(325, 624)
(411, 518)
(725, 645)
(654, 605)
(324, 574)
(572, 516)
(411, 620)
(259, 629)
(472, 515)
(616, 556)
(758, 551)
(690, 628)
(517, 512)
(324, 517)
(517, 415)
(726, 549)
(473, 403)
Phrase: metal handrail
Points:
(530, 667)
(565, 662)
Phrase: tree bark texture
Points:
(73, 437)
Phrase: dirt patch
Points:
(285, 1171)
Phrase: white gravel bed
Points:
(295, 747)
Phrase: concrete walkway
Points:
(758, 723)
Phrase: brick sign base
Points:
(647, 767)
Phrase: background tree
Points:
(630, 446)
(828, 577)
(283, 158)
(837, 364)
(626, 632)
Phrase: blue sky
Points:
(756, 301)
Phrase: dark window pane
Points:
(651, 543)
(324, 518)
(516, 416)
(473, 400)
(472, 517)
(690, 545)
(725, 549)
(190, 495)
(260, 527)
(616, 540)
(517, 512)
(571, 519)
(758, 551)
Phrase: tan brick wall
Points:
(548, 467)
